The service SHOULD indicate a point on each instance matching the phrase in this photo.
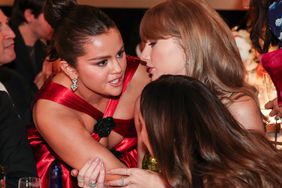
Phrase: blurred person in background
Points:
(32, 32)
(15, 152)
(266, 31)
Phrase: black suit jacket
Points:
(19, 91)
(15, 152)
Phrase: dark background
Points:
(128, 21)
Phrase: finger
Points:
(81, 175)
(91, 173)
(85, 167)
(273, 113)
(74, 172)
(80, 181)
(101, 177)
(120, 171)
(269, 105)
(94, 170)
(122, 182)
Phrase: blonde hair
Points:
(210, 49)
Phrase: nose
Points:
(145, 55)
(116, 66)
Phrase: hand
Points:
(137, 178)
(91, 175)
(44, 74)
(275, 109)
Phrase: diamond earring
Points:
(74, 84)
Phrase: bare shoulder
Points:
(51, 118)
(140, 78)
(246, 111)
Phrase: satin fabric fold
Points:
(45, 156)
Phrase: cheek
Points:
(9, 53)
(91, 76)
(123, 63)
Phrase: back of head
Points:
(211, 52)
(19, 7)
(197, 141)
(73, 24)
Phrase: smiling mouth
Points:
(116, 82)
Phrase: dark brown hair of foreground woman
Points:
(198, 143)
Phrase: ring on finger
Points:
(80, 180)
(92, 184)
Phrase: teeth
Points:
(115, 81)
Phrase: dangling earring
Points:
(74, 84)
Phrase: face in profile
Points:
(164, 56)
(7, 52)
(41, 27)
(101, 70)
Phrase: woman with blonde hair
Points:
(188, 37)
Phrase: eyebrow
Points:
(104, 57)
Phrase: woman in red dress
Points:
(86, 110)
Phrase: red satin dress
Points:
(126, 150)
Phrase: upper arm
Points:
(247, 113)
(67, 136)
(140, 79)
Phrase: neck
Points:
(95, 99)
(28, 35)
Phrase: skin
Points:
(100, 72)
(159, 55)
(7, 53)
(276, 111)
(164, 56)
(35, 28)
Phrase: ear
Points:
(28, 15)
(68, 70)
(142, 122)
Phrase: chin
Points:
(154, 77)
(115, 93)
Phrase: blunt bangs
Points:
(156, 24)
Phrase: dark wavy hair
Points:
(19, 7)
(73, 24)
(198, 143)
(260, 33)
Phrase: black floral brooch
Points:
(104, 126)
